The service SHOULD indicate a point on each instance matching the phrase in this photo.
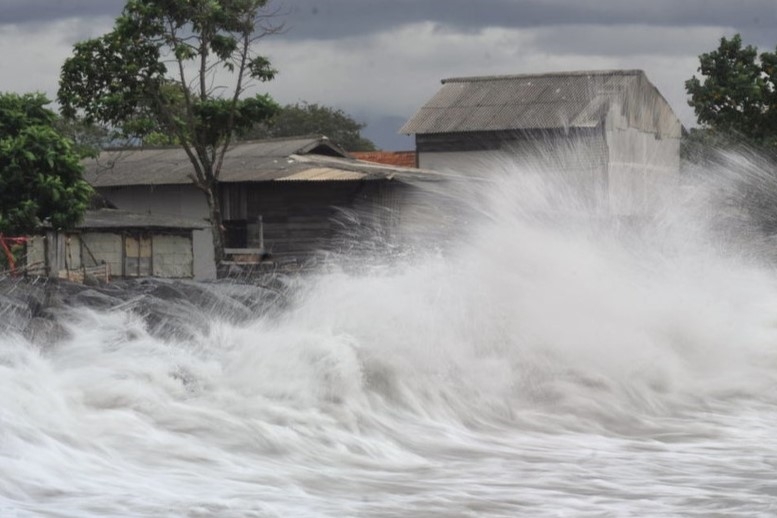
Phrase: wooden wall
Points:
(303, 218)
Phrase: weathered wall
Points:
(104, 247)
(175, 200)
(36, 253)
(577, 157)
(302, 218)
(469, 163)
(640, 166)
(62, 251)
(204, 267)
(643, 138)
(172, 256)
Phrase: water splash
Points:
(550, 359)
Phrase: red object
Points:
(398, 158)
(4, 243)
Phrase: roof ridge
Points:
(574, 73)
(308, 137)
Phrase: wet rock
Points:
(170, 308)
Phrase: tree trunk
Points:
(216, 223)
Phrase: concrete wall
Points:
(468, 163)
(105, 247)
(577, 159)
(176, 200)
(36, 253)
(204, 266)
(643, 140)
(476, 155)
(172, 256)
(640, 166)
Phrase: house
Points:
(289, 198)
(111, 243)
(614, 128)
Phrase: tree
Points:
(163, 69)
(40, 171)
(313, 119)
(88, 139)
(738, 94)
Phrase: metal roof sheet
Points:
(522, 102)
(322, 174)
(259, 161)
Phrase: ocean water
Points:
(552, 360)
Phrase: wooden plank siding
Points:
(303, 218)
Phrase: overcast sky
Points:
(380, 60)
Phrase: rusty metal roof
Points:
(400, 158)
(521, 102)
(309, 159)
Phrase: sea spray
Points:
(549, 357)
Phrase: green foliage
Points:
(40, 172)
(88, 139)
(304, 118)
(738, 94)
(160, 76)
(122, 78)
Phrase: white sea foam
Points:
(552, 362)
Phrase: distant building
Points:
(289, 198)
(112, 243)
(614, 127)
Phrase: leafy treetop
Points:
(40, 171)
(180, 69)
(157, 72)
(737, 95)
(304, 118)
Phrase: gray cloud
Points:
(382, 59)
(37, 11)
(335, 18)
(331, 19)
(628, 40)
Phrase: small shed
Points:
(111, 243)
(613, 127)
(291, 198)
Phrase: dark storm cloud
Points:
(39, 11)
(336, 18)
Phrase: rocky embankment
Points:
(36, 308)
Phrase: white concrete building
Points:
(613, 127)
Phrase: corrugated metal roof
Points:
(522, 102)
(259, 161)
(400, 158)
(323, 174)
(116, 219)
